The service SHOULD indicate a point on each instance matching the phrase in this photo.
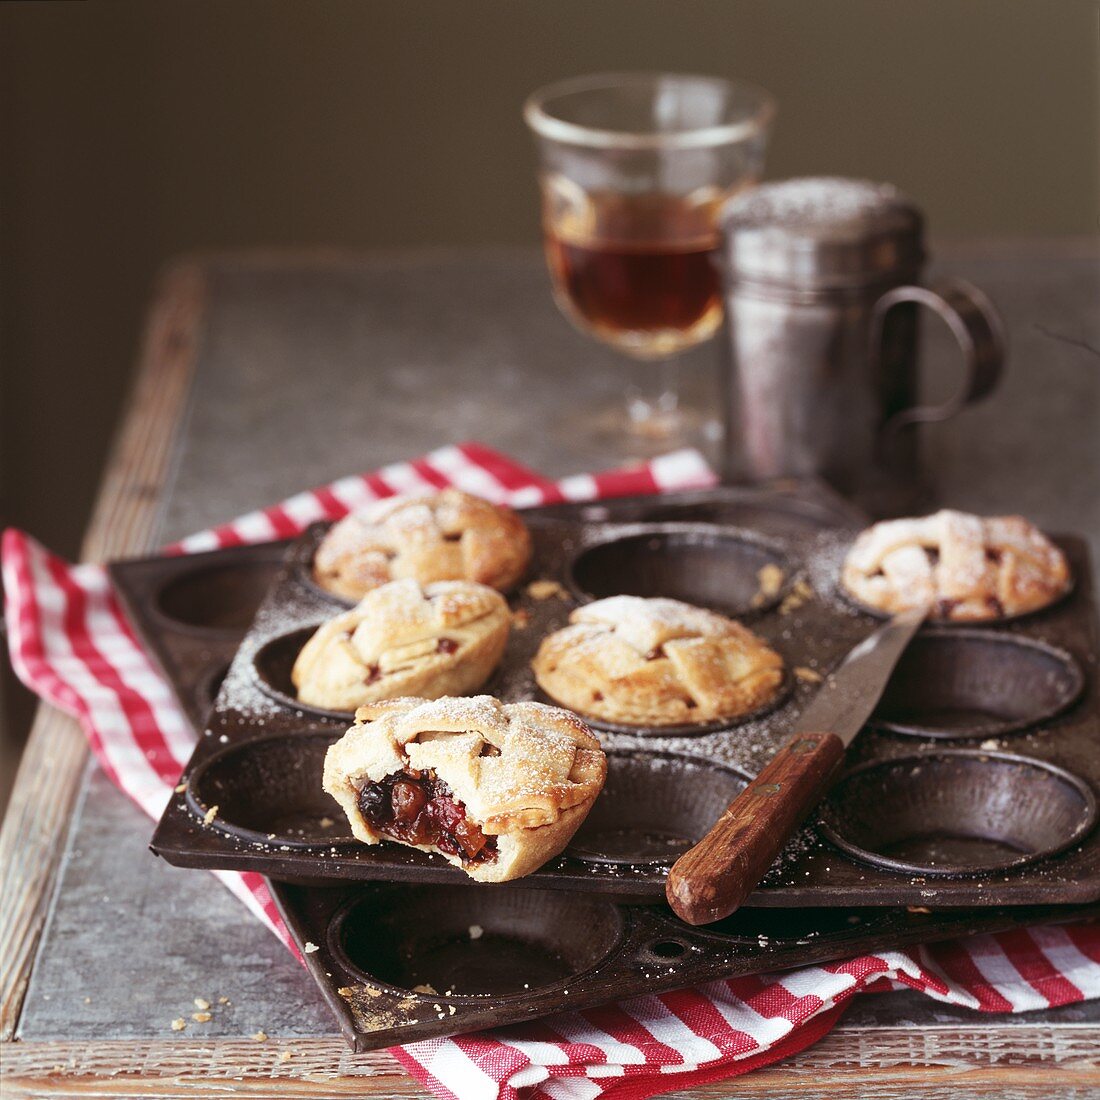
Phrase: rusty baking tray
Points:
(990, 732)
(400, 962)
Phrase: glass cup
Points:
(633, 171)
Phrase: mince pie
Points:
(496, 788)
(656, 662)
(964, 568)
(447, 536)
(404, 639)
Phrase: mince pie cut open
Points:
(404, 639)
(656, 662)
(964, 568)
(445, 536)
(496, 788)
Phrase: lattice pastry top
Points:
(964, 568)
(404, 639)
(519, 777)
(448, 535)
(656, 662)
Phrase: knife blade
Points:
(849, 695)
(709, 881)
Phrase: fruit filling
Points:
(419, 808)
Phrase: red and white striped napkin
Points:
(70, 643)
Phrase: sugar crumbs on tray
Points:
(476, 931)
(201, 1017)
(202, 1002)
(808, 675)
(260, 1036)
(179, 1023)
(210, 814)
(309, 948)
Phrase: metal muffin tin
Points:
(1018, 688)
(566, 937)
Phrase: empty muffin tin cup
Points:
(268, 791)
(976, 683)
(272, 665)
(721, 568)
(216, 599)
(654, 806)
(957, 812)
(467, 944)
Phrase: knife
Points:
(711, 880)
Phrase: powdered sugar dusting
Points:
(811, 203)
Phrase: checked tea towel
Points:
(70, 643)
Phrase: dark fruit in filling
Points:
(421, 809)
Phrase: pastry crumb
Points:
(327, 823)
(808, 675)
(990, 743)
(770, 578)
(202, 1002)
(210, 815)
(798, 595)
(917, 909)
(476, 931)
(545, 590)
(371, 991)
(426, 988)
(179, 1023)
(223, 1000)
(181, 788)
(260, 1036)
(285, 1056)
(521, 618)
(201, 1017)
(309, 948)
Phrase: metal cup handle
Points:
(977, 328)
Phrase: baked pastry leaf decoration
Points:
(964, 568)
(450, 535)
(496, 788)
(656, 662)
(403, 639)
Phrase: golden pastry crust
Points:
(403, 639)
(964, 568)
(524, 774)
(446, 536)
(656, 662)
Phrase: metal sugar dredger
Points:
(822, 277)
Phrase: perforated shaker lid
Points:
(821, 232)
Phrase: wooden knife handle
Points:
(711, 880)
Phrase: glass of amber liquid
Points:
(633, 171)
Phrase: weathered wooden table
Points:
(264, 373)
